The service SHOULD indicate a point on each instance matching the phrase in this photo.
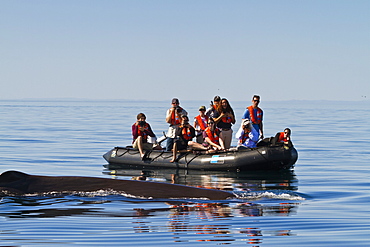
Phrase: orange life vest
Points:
(213, 136)
(186, 133)
(226, 119)
(281, 137)
(255, 118)
(142, 133)
(201, 123)
(175, 118)
(244, 137)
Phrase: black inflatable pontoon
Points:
(264, 157)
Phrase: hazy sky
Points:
(191, 49)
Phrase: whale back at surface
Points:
(22, 183)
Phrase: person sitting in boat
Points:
(185, 134)
(283, 137)
(248, 136)
(200, 124)
(211, 136)
(173, 117)
(224, 122)
(212, 111)
(141, 130)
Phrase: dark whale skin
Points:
(20, 183)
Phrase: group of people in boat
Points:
(211, 128)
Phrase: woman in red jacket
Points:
(141, 130)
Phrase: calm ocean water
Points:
(323, 202)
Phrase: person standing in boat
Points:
(248, 137)
(173, 117)
(185, 133)
(212, 111)
(224, 122)
(255, 115)
(200, 124)
(141, 130)
(211, 136)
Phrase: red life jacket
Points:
(281, 137)
(226, 119)
(175, 119)
(255, 118)
(143, 134)
(213, 136)
(201, 123)
(244, 137)
(186, 133)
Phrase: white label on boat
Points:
(263, 152)
(114, 153)
(217, 159)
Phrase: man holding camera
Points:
(173, 117)
(212, 111)
(248, 137)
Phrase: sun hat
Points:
(246, 122)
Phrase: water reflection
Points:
(225, 180)
(211, 223)
(216, 221)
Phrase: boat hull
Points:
(261, 158)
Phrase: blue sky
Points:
(193, 49)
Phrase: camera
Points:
(141, 123)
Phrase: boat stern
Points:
(294, 157)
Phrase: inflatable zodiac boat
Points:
(265, 157)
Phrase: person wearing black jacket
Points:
(185, 133)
